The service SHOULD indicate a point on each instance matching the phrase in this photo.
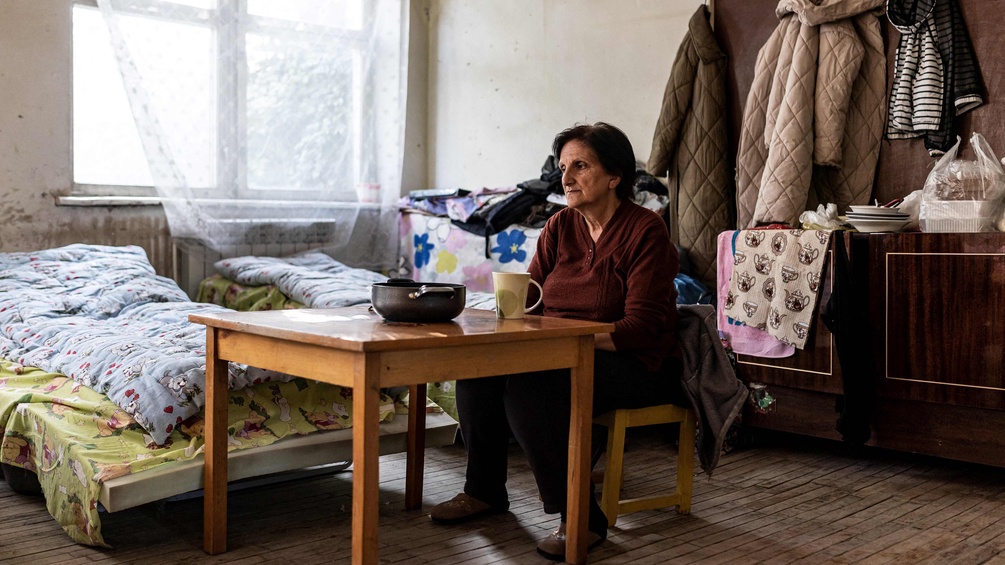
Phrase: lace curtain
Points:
(270, 122)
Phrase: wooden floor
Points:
(782, 500)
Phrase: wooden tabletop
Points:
(357, 328)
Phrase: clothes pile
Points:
(488, 211)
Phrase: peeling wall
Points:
(35, 143)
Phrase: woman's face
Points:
(587, 185)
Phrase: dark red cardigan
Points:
(626, 278)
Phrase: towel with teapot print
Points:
(776, 281)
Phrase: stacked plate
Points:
(877, 219)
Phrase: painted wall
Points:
(506, 75)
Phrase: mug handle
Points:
(540, 296)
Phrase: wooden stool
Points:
(617, 421)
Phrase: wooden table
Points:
(354, 347)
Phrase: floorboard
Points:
(782, 499)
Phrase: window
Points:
(265, 94)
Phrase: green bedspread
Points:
(74, 438)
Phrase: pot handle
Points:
(424, 289)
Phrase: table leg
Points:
(365, 451)
(215, 465)
(416, 448)
(581, 419)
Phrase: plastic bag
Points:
(825, 218)
(958, 195)
(995, 209)
(912, 207)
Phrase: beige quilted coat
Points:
(814, 117)
(689, 147)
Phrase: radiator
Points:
(193, 261)
(371, 244)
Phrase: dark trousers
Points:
(536, 407)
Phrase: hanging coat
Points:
(689, 147)
(814, 116)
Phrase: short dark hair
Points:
(613, 150)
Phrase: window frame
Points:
(239, 23)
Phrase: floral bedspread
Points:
(434, 250)
(74, 438)
(101, 316)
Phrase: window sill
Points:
(90, 201)
(93, 201)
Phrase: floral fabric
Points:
(313, 279)
(101, 316)
(74, 438)
(434, 250)
(224, 292)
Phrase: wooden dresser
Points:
(933, 313)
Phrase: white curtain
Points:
(270, 121)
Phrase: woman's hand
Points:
(604, 342)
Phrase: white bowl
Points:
(874, 226)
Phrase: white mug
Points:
(511, 294)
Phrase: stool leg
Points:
(613, 468)
(685, 463)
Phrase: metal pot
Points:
(405, 300)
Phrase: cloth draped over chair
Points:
(710, 383)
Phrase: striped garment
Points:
(936, 77)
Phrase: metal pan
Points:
(405, 300)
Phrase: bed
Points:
(101, 386)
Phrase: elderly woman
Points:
(604, 258)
